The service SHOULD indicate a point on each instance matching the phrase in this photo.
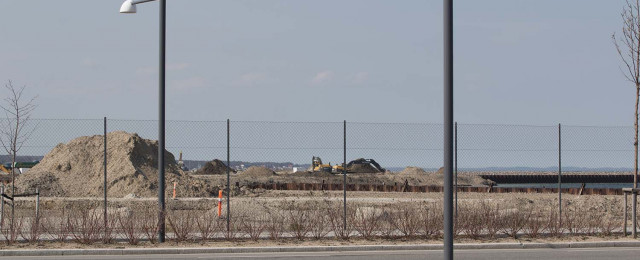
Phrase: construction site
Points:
(296, 193)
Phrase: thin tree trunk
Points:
(14, 151)
(635, 168)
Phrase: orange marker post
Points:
(219, 203)
(174, 190)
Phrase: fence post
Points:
(37, 206)
(625, 214)
(2, 205)
(559, 175)
(455, 169)
(228, 180)
(104, 184)
(344, 175)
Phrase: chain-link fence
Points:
(286, 179)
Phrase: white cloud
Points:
(322, 77)
(360, 77)
(251, 78)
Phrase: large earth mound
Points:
(76, 169)
(214, 167)
(412, 170)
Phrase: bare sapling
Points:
(318, 221)
(150, 224)
(206, 224)
(514, 221)
(33, 232)
(553, 227)
(431, 220)
(536, 223)
(15, 130)
(366, 221)
(275, 224)
(407, 222)
(254, 226)
(57, 226)
(335, 215)
(10, 234)
(86, 226)
(131, 227)
(469, 221)
(628, 47)
(182, 224)
(297, 221)
(109, 231)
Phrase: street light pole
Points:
(129, 6)
(161, 119)
(448, 129)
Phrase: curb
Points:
(230, 250)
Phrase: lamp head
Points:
(128, 7)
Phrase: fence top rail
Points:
(325, 122)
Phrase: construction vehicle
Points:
(5, 170)
(362, 161)
(318, 166)
(18, 165)
(338, 168)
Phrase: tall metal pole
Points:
(161, 97)
(559, 176)
(344, 177)
(104, 183)
(448, 131)
(228, 178)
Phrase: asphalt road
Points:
(488, 254)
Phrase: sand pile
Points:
(411, 170)
(214, 167)
(75, 169)
(258, 171)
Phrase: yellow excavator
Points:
(318, 166)
(6, 167)
(5, 170)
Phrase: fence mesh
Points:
(291, 199)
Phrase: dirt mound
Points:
(258, 171)
(76, 169)
(214, 167)
(411, 170)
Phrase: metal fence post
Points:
(2, 205)
(228, 180)
(455, 170)
(624, 228)
(104, 184)
(344, 177)
(37, 206)
(559, 175)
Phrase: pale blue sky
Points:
(516, 61)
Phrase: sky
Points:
(527, 62)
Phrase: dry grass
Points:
(302, 219)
